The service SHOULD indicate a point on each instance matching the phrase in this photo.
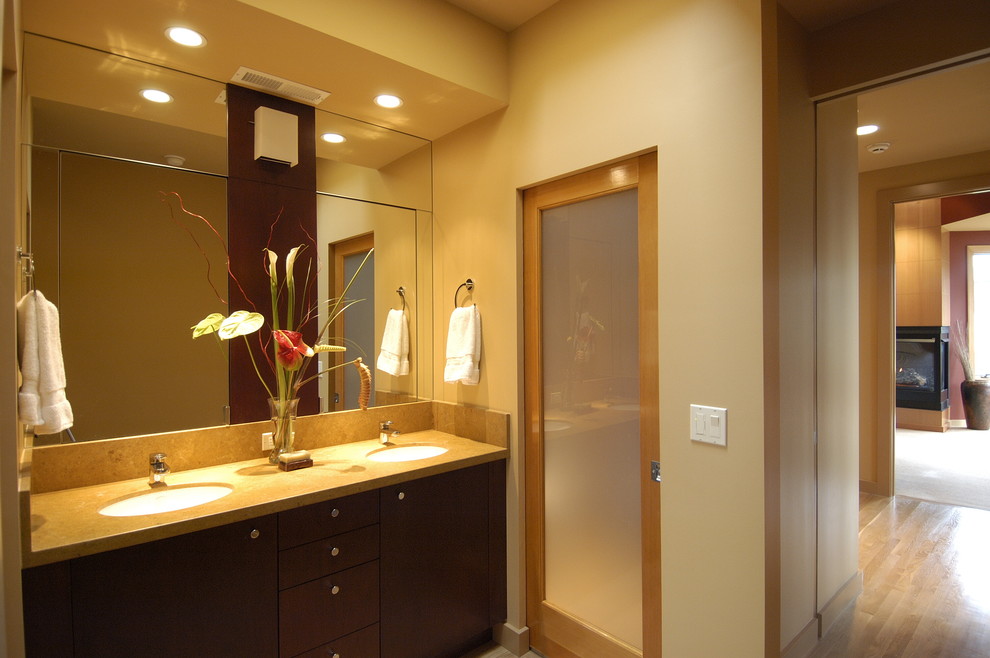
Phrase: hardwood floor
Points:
(926, 569)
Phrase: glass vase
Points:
(283, 414)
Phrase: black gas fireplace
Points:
(922, 368)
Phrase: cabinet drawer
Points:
(363, 644)
(320, 611)
(326, 556)
(321, 520)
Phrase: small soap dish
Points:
(293, 461)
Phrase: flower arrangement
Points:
(290, 357)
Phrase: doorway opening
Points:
(935, 456)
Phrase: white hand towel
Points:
(464, 346)
(394, 356)
(41, 400)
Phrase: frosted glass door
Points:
(593, 547)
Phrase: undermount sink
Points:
(167, 499)
(406, 453)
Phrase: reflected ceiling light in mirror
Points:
(388, 100)
(867, 130)
(333, 138)
(186, 37)
(156, 96)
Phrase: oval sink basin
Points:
(167, 499)
(406, 453)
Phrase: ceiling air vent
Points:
(279, 86)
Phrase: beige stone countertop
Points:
(67, 524)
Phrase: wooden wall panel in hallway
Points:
(926, 593)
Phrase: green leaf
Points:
(207, 325)
(240, 323)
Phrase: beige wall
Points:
(876, 299)
(589, 84)
(798, 513)
(837, 354)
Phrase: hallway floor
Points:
(926, 583)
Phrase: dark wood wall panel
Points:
(274, 205)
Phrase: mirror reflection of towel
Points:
(464, 346)
(41, 401)
(394, 357)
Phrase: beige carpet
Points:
(951, 467)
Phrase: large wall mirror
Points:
(130, 282)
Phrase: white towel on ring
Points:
(394, 356)
(464, 346)
(41, 401)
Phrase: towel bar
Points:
(469, 284)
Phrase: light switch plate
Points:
(267, 442)
(709, 424)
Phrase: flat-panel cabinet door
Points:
(208, 593)
(435, 564)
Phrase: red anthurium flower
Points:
(291, 349)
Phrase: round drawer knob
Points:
(335, 512)
(335, 589)
(332, 653)
(335, 551)
(402, 495)
(255, 533)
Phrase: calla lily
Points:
(291, 349)
(290, 261)
(240, 323)
(207, 325)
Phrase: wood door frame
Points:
(638, 172)
(883, 482)
(340, 250)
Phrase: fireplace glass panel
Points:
(916, 364)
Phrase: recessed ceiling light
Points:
(156, 96)
(388, 100)
(185, 37)
(333, 138)
(867, 130)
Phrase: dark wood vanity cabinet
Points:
(208, 593)
(329, 578)
(442, 557)
(415, 570)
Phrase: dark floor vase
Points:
(976, 403)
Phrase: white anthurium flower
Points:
(240, 323)
(207, 325)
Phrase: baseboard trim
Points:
(867, 486)
(514, 639)
(804, 643)
(957, 422)
(846, 595)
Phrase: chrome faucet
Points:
(158, 469)
(386, 432)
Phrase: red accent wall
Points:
(964, 206)
(257, 193)
(958, 242)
